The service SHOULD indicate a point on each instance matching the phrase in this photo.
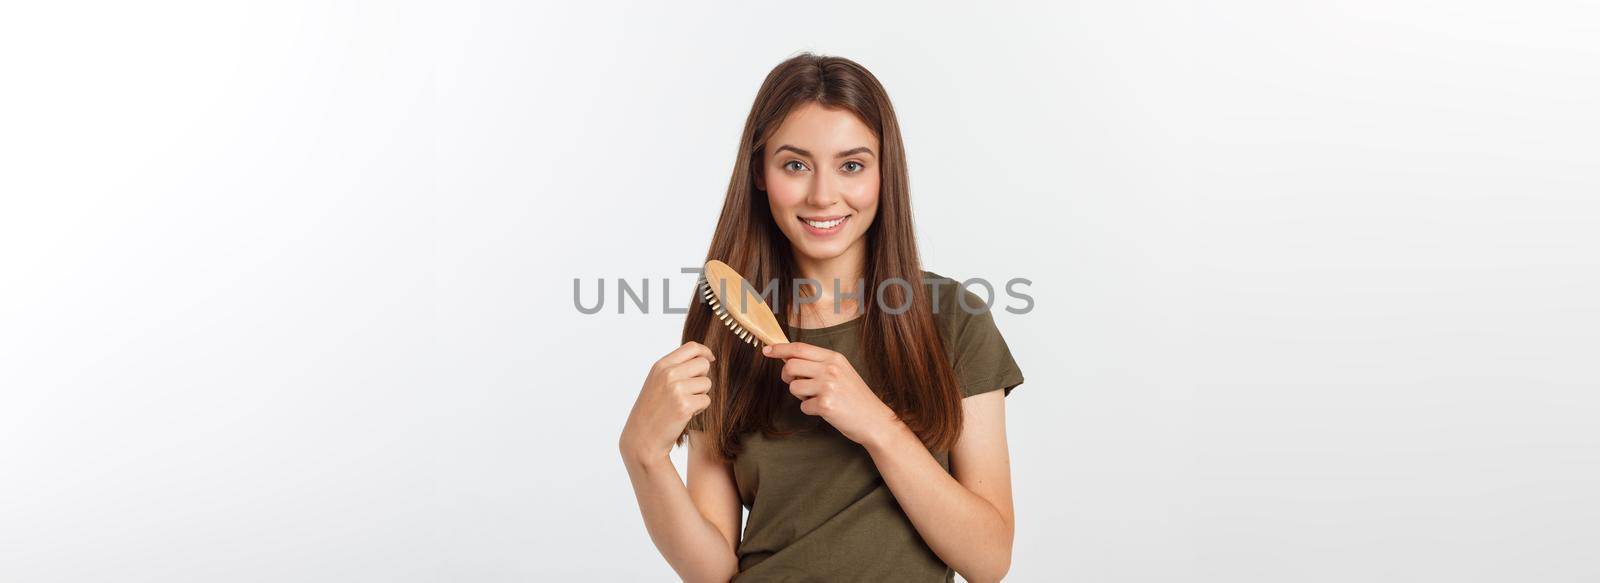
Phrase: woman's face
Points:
(820, 171)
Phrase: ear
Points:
(761, 181)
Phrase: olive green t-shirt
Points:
(818, 508)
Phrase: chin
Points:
(821, 252)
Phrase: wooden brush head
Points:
(739, 306)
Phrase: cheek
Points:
(862, 196)
(784, 191)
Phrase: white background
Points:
(286, 288)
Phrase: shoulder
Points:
(972, 341)
(954, 306)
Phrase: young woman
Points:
(873, 446)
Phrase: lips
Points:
(822, 226)
(823, 222)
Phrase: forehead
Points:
(821, 129)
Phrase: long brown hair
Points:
(913, 375)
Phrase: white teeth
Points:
(824, 224)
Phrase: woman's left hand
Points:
(829, 387)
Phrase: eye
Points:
(853, 167)
(794, 166)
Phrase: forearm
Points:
(694, 548)
(963, 528)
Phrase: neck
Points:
(846, 269)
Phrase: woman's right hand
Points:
(673, 392)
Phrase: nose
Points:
(823, 193)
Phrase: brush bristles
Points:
(709, 298)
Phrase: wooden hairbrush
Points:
(739, 306)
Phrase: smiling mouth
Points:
(824, 223)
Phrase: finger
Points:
(698, 403)
(798, 350)
(799, 368)
(812, 406)
(805, 388)
(694, 386)
(689, 350)
(694, 367)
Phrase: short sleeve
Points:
(980, 356)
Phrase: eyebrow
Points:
(856, 150)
